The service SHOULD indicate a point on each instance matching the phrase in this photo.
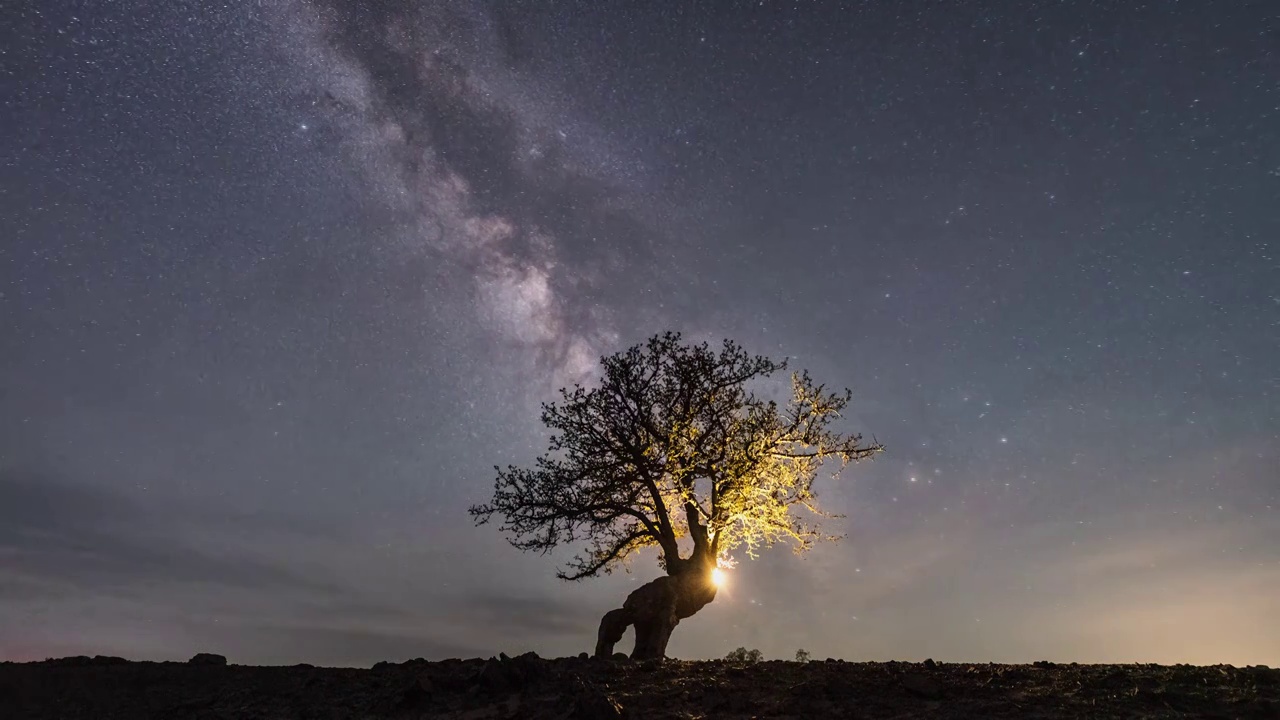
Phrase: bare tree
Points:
(673, 449)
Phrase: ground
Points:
(579, 688)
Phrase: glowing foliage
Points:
(673, 444)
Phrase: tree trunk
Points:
(656, 607)
(612, 626)
(652, 635)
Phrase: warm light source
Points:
(718, 577)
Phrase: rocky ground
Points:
(529, 687)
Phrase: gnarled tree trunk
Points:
(656, 607)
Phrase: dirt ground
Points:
(530, 687)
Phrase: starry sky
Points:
(281, 281)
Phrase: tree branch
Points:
(601, 562)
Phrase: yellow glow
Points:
(718, 577)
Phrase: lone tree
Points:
(673, 449)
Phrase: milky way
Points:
(281, 282)
(475, 169)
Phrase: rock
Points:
(508, 708)
(413, 696)
(921, 686)
(814, 698)
(73, 660)
(492, 677)
(108, 660)
(929, 663)
(1264, 676)
(525, 669)
(510, 673)
(1014, 674)
(1044, 664)
(621, 657)
(207, 659)
(1264, 709)
(594, 704)
(735, 703)
(85, 660)
(584, 656)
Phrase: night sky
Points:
(282, 281)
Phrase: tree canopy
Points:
(673, 443)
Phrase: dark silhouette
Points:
(672, 445)
(744, 655)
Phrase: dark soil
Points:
(529, 687)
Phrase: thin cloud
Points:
(55, 533)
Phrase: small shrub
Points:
(802, 656)
(744, 655)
